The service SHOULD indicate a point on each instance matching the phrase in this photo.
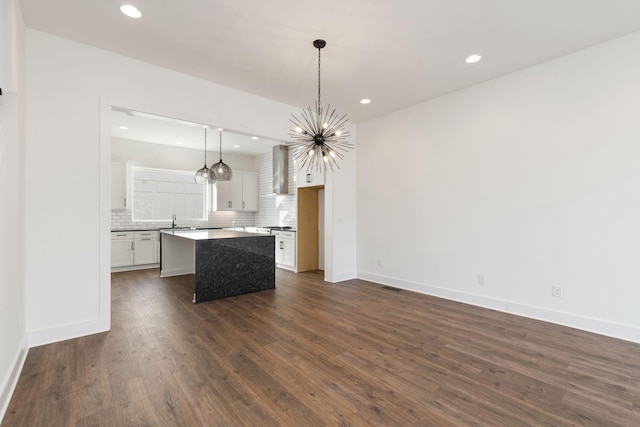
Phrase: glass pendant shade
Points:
(221, 170)
(204, 174)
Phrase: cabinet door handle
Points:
(145, 239)
(120, 235)
(125, 201)
(281, 244)
(230, 204)
(242, 205)
(308, 178)
(131, 245)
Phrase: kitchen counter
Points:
(225, 263)
(209, 234)
(126, 230)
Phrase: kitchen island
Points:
(225, 263)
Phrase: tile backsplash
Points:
(121, 220)
(276, 210)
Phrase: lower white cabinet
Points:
(134, 248)
(121, 248)
(285, 249)
(145, 247)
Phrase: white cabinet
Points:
(249, 192)
(285, 249)
(239, 194)
(145, 247)
(118, 185)
(312, 178)
(134, 248)
(121, 249)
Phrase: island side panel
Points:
(177, 256)
(228, 267)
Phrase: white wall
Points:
(340, 217)
(71, 89)
(532, 180)
(13, 343)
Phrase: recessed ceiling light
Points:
(472, 59)
(236, 146)
(254, 137)
(365, 101)
(131, 11)
(179, 142)
(123, 127)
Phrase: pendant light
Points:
(204, 175)
(319, 137)
(221, 171)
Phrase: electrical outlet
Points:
(482, 280)
(380, 263)
(556, 291)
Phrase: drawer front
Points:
(284, 234)
(153, 234)
(121, 235)
(287, 235)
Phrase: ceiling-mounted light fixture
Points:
(472, 59)
(320, 137)
(131, 11)
(221, 171)
(204, 175)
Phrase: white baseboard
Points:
(66, 332)
(598, 326)
(134, 267)
(341, 277)
(177, 272)
(11, 380)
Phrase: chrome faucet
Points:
(173, 221)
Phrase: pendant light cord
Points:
(220, 146)
(319, 49)
(205, 146)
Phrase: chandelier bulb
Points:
(299, 129)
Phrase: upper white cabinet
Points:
(312, 178)
(118, 185)
(249, 192)
(239, 194)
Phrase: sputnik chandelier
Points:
(319, 136)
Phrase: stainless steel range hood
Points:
(281, 169)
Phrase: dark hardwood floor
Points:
(310, 353)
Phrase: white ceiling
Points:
(398, 53)
(177, 133)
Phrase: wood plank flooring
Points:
(310, 353)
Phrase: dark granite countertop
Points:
(210, 234)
